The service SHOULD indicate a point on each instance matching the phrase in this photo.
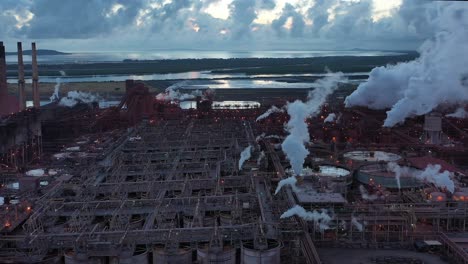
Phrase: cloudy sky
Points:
(125, 25)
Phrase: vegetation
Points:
(244, 65)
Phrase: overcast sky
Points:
(126, 25)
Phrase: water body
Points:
(186, 76)
(90, 57)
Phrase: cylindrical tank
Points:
(269, 255)
(225, 219)
(73, 258)
(140, 256)
(226, 255)
(183, 255)
(209, 221)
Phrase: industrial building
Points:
(149, 182)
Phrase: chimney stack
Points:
(3, 73)
(35, 77)
(21, 95)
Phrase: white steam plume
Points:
(291, 181)
(245, 155)
(433, 175)
(398, 170)
(260, 158)
(330, 118)
(365, 194)
(259, 137)
(172, 94)
(355, 223)
(294, 144)
(270, 111)
(56, 96)
(438, 77)
(75, 97)
(459, 113)
(321, 219)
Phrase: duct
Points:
(35, 77)
(21, 94)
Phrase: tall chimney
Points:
(21, 96)
(35, 77)
(3, 73)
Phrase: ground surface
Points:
(365, 256)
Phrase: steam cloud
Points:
(392, 166)
(365, 194)
(245, 155)
(431, 174)
(291, 181)
(260, 158)
(437, 77)
(330, 118)
(321, 219)
(459, 113)
(55, 96)
(299, 111)
(355, 223)
(270, 111)
(75, 97)
(172, 94)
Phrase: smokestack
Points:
(21, 96)
(35, 77)
(3, 73)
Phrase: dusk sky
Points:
(126, 25)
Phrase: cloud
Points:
(163, 23)
(432, 80)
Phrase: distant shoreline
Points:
(40, 52)
(247, 66)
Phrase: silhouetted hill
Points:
(39, 52)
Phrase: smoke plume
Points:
(56, 96)
(245, 155)
(260, 158)
(330, 118)
(355, 223)
(435, 78)
(270, 111)
(321, 219)
(433, 175)
(392, 166)
(365, 194)
(172, 94)
(75, 97)
(294, 144)
(459, 113)
(291, 181)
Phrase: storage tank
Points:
(379, 174)
(270, 254)
(225, 255)
(139, 256)
(226, 219)
(182, 255)
(79, 258)
(370, 156)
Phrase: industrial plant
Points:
(276, 181)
